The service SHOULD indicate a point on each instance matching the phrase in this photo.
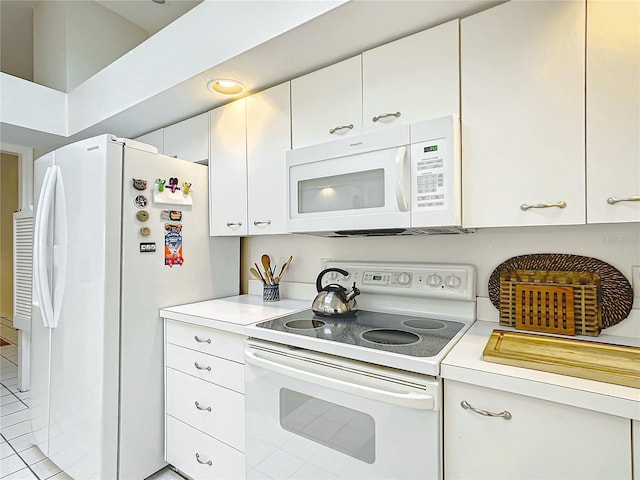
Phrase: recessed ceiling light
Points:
(226, 86)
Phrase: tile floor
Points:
(19, 459)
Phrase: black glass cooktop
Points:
(407, 335)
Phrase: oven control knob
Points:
(434, 280)
(404, 279)
(453, 281)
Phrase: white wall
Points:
(616, 244)
(72, 44)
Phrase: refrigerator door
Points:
(40, 333)
(150, 283)
(83, 400)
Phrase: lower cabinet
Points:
(491, 434)
(204, 401)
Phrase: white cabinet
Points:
(204, 401)
(523, 68)
(189, 139)
(613, 110)
(327, 104)
(155, 138)
(228, 170)
(541, 439)
(268, 138)
(412, 79)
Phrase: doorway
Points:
(9, 165)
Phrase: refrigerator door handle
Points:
(41, 278)
(60, 248)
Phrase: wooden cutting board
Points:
(603, 362)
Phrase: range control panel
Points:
(435, 280)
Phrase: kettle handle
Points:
(322, 273)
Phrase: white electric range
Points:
(357, 397)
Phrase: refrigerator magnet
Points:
(173, 215)
(142, 215)
(139, 184)
(145, 231)
(173, 244)
(141, 201)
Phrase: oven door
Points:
(351, 184)
(314, 416)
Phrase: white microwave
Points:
(404, 180)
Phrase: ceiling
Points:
(147, 14)
(338, 34)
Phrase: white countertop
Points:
(465, 363)
(233, 314)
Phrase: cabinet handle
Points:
(614, 200)
(202, 340)
(341, 127)
(262, 222)
(199, 367)
(506, 415)
(560, 204)
(234, 224)
(385, 115)
(208, 462)
(208, 409)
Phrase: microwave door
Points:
(359, 191)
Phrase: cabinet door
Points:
(228, 170)
(268, 138)
(416, 77)
(541, 440)
(613, 111)
(523, 114)
(327, 104)
(154, 138)
(189, 139)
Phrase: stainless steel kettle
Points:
(334, 300)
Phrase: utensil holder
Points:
(270, 293)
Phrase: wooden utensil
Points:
(284, 269)
(266, 263)
(257, 274)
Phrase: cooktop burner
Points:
(407, 335)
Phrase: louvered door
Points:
(22, 268)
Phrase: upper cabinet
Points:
(268, 138)
(327, 104)
(155, 139)
(613, 111)
(412, 79)
(228, 170)
(523, 114)
(189, 139)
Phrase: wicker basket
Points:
(562, 302)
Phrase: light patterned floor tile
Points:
(32, 455)
(11, 408)
(22, 442)
(60, 476)
(165, 474)
(6, 450)
(24, 474)
(6, 421)
(11, 464)
(45, 468)
(15, 430)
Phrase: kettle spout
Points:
(353, 293)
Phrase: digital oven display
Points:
(431, 148)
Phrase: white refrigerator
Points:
(120, 232)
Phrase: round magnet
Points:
(141, 201)
(145, 231)
(142, 215)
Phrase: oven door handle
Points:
(409, 399)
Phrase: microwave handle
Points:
(401, 181)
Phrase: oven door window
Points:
(340, 428)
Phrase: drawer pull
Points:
(561, 204)
(202, 340)
(506, 415)
(385, 115)
(234, 224)
(614, 200)
(262, 222)
(341, 127)
(200, 367)
(208, 409)
(208, 462)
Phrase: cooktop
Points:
(407, 335)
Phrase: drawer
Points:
(219, 413)
(206, 367)
(185, 442)
(206, 340)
